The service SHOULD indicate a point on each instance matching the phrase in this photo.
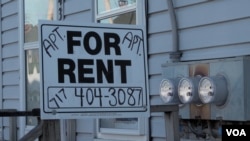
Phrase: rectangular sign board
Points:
(97, 70)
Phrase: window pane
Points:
(109, 5)
(32, 83)
(36, 10)
(127, 18)
(120, 123)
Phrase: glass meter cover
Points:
(213, 90)
(206, 90)
(167, 90)
(187, 90)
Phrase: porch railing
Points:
(35, 133)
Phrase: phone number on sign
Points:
(87, 97)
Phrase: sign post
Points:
(97, 70)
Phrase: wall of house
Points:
(10, 60)
(208, 29)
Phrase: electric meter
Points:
(187, 90)
(213, 90)
(167, 91)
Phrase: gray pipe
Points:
(175, 55)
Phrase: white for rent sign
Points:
(95, 70)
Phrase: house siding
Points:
(214, 27)
(10, 60)
(207, 30)
(82, 11)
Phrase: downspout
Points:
(176, 54)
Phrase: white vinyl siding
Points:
(10, 61)
(207, 30)
(78, 10)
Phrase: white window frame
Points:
(115, 12)
(139, 131)
(140, 16)
(24, 128)
(115, 134)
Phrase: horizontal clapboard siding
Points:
(10, 76)
(207, 29)
(78, 11)
(10, 50)
(202, 25)
(213, 30)
(159, 38)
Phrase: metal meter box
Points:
(236, 71)
(175, 71)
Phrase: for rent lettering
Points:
(66, 67)
(83, 70)
(111, 40)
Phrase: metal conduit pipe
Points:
(175, 55)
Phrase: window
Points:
(121, 12)
(33, 13)
(116, 11)
(122, 126)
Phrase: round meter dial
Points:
(185, 90)
(213, 90)
(167, 90)
(206, 90)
